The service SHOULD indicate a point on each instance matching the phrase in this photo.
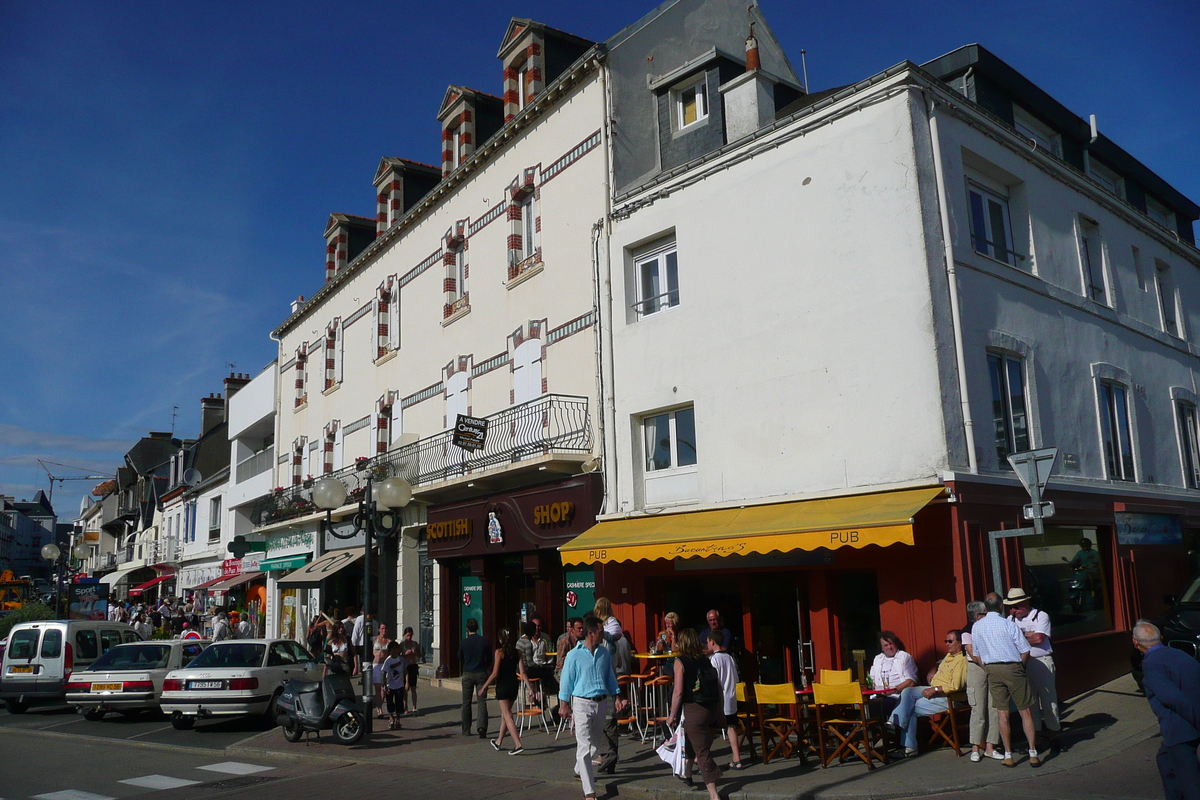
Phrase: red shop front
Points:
(498, 557)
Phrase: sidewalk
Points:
(1099, 724)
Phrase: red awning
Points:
(237, 580)
(206, 584)
(154, 582)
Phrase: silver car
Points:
(129, 677)
(235, 678)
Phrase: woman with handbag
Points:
(698, 696)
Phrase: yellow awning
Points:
(883, 518)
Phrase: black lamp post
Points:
(377, 519)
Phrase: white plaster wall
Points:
(804, 335)
(1062, 333)
(570, 204)
(254, 402)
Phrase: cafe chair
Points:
(626, 686)
(743, 721)
(831, 677)
(779, 732)
(658, 707)
(638, 699)
(843, 728)
(944, 726)
(527, 709)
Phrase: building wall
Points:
(804, 332)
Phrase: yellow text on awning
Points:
(883, 519)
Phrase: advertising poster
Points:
(88, 601)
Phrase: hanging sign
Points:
(470, 433)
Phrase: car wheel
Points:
(292, 733)
(269, 716)
(181, 723)
(349, 728)
(17, 706)
(93, 714)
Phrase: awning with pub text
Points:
(882, 518)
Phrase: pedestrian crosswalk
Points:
(158, 782)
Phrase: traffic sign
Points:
(1033, 468)
(1039, 510)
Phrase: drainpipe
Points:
(952, 280)
(610, 462)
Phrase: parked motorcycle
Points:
(327, 704)
(1080, 590)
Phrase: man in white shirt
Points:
(1035, 624)
(726, 669)
(357, 637)
(1003, 649)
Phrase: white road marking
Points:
(150, 732)
(230, 767)
(71, 794)
(158, 782)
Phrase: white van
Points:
(41, 656)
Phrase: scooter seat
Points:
(304, 687)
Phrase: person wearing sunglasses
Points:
(924, 701)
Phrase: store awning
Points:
(206, 584)
(237, 580)
(283, 562)
(310, 577)
(155, 582)
(113, 578)
(884, 518)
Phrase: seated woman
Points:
(665, 642)
(893, 670)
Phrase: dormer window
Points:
(691, 103)
(1036, 131)
(1160, 213)
(1113, 183)
(533, 56)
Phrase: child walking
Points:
(393, 676)
(726, 669)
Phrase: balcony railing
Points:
(256, 464)
(547, 425)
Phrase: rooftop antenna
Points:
(174, 413)
(804, 68)
(231, 366)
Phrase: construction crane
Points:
(60, 479)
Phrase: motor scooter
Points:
(327, 704)
(1080, 589)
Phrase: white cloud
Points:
(15, 436)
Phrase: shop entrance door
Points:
(857, 617)
(778, 605)
(514, 588)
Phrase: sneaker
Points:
(911, 752)
(995, 755)
(976, 757)
(516, 752)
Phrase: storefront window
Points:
(1066, 574)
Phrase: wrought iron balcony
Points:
(541, 428)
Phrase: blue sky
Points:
(166, 170)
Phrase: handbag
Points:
(674, 750)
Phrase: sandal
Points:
(736, 765)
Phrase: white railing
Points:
(256, 464)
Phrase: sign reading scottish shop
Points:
(535, 518)
(470, 433)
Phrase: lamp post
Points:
(51, 553)
(376, 519)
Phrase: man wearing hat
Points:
(1003, 649)
(1035, 624)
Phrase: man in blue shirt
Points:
(1003, 649)
(1172, 683)
(587, 682)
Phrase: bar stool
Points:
(626, 685)
(638, 700)
(659, 709)
(528, 710)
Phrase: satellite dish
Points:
(192, 477)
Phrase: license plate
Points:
(20, 670)
(107, 687)
(205, 684)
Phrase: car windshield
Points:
(1192, 595)
(230, 655)
(134, 656)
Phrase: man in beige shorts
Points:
(1003, 649)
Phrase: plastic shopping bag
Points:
(674, 750)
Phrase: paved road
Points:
(148, 727)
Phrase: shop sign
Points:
(554, 514)
(251, 561)
(292, 540)
(581, 590)
(87, 601)
(1148, 528)
(470, 433)
(495, 532)
(450, 529)
(231, 567)
(344, 528)
(472, 600)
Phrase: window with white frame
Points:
(214, 518)
(1168, 298)
(656, 271)
(528, 226)
(1037, 131)
(691, 103)
(991, 226)
(1160, 213)
(1189, 443)
(1113, 183)
(527, 371)
(1091, 260)
(670, 439)
(1114, 431)
(458, 271)
(457, 398)
(1010, 419)
(523, 85)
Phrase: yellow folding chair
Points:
(779, 733)
(831, 677)
(842, 715)
(944, 726)
(743, 721)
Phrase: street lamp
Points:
(377, 520)
(51, 553)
